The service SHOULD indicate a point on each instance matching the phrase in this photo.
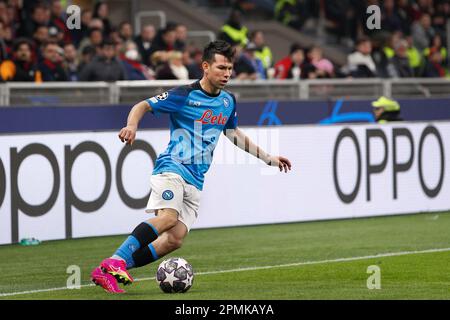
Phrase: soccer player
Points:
(199, 113)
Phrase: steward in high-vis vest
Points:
(386, 110)
(233, 32)
(291, 13)
(262, 52)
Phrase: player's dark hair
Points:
(218, 47)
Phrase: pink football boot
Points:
(105, 280)
(118, 269)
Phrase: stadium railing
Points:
(129, 92)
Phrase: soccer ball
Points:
(175, 275)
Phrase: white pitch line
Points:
(381, 255)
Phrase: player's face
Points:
(219, 71)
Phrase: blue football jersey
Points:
(197, 119)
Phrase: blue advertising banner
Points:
(270, 113)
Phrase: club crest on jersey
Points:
(167, 195)
(226, 102)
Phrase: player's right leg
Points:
(167, 192)
(141, 239)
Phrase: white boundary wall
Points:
(239, 190)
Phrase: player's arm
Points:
(240, 139)
(128, 133)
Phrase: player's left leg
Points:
(167, 242)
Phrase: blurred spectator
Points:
(58, 20)
(419, 7)
(126, 31)
(255, 8)
(249, 52)
(436, 44)
(40, 37)
(341, 20)
(323, 68)
(173, 69)
(97, 23)
(71, 63)
(78, 34)
(40, 16)
(164, 42)
(7, 34)
(244, 68)
(399, 66)
(233, 31)
(415, 57)
(51, 65)
(134, 69)
(115, 38)
(360, 63)
(181, 37)
(379, 56)
(21, 66)
(290, 66)
(390, 20)
(422, 32)
(4, 49)
(105, 67)
(434, 67)
(262, 51)
(292, 13)
(55, 35)
(403, 10)
(194, 65)
(144, 42)
(440, 16)
(95, 39)
(4, 17)
(386, 110)
(101, 11)
(87, 54)
(394, 38)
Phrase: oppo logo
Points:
(416, 153)
(71, 200)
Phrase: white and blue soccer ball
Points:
(175, 275)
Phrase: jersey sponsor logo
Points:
(209, 118)
(194, 103)
(167, 195)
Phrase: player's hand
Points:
(281, 162)
(128, 134)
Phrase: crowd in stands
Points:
(36, 44)
(410, 43)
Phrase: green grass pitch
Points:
(311, 260)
